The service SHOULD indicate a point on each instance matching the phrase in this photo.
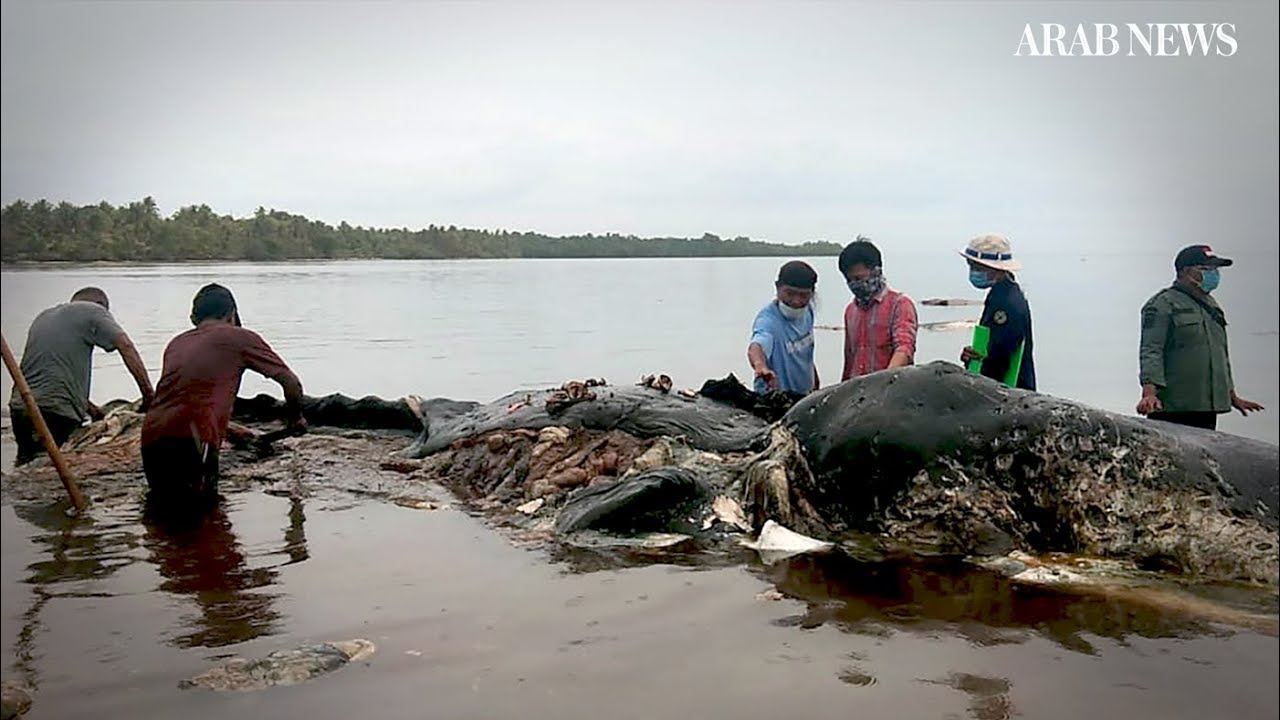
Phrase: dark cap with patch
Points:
(1199, 256)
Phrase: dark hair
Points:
(859, 252)
(213, 301)
(93, 295)
(798, 274)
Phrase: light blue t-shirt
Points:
(788, 347)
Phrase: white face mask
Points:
(791, 313)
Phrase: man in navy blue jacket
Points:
(1006, 312)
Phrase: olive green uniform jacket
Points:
(1183, 351)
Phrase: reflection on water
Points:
(77, 551)
(90, 548)
(952, 597)
(981, 606)
(203, 560)
(198, 559)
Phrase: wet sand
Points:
(105, 616)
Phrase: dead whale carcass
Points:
(281, 667)
(936, 456)
(928, 457)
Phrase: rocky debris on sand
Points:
(15, 699)
(281, 667)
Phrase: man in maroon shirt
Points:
(187, 422)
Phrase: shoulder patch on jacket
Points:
(1000, 317)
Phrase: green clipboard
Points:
(982, 339)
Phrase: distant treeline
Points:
(136, 232)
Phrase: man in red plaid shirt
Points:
(880, 324)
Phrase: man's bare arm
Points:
(137, 368)
(292, 388)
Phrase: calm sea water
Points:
(478, 329)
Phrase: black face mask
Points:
(867, 288)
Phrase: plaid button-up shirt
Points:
(872, 334)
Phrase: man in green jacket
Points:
(1184, 366)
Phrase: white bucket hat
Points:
(992, 251)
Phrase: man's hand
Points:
(1149, 402)
(240, 436)
(95, 412)
(769, 376)
(1244, 406)
(968, 355)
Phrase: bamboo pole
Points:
(33, 410)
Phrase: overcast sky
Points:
(912, 122)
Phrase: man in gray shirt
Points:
(57, 362)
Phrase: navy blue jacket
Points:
(1008, 315)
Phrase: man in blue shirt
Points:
(781, 348)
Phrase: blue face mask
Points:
(980, 279)
(1209, 280)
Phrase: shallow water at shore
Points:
(105, 615)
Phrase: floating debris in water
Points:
(15, 699)
(591, 539)
(778, 543)
(949, 325)
(282, 667)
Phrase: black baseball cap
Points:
(1199, 256)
